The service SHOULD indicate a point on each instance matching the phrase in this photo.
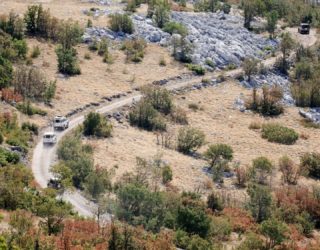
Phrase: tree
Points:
(193, 219)
(218, 153)
(272, 19)
(250, 67)
(97, 182)
(249, 9)
(69, 35)
(286, 45)
(52, 211)
(218, 156)
(275, 232)
(161, 14)
(190, 139)
(30, 82)
(260, 202)
(261, 169)
(67, 61)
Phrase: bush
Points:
(250, 67)
(67, 61)
(28, 109)
(35, 52)
(144, 115)
(218, 153)
(179, 116)
(6, 71)
(121, 23)
(268, 104)
(30, 82)
(290, 171)
(214, 202)
(166, 174)
(160, 98)
(30, 127)
(276, 133)
(96, 125)
(310, 163)
(175, 28)
(261, 169)
(1, 138)
(306, 93)
(190, 139)
(199, 70)
(134, 49)
(7, 157)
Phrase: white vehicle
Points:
(49, 138)
(60, 122)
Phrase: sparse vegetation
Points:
(134, 50)
(268, 104)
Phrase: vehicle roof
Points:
(49, 133)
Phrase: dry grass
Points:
(222, 123)
(99, 79)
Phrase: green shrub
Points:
(96, 125)
(160, 98)
(67, 61)
(310, 163)
(121, 22)
(161, 13)
(7, 157)
(30, 127)
(190, 139)
(175, 28)
(166, 174)
(199, 70)
(279, 134)
(6, 72)
(1, 138)
(94, 45)
(28, 109)
(261, 169)
(144, 115)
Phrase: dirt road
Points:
(45, 156)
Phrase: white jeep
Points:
(60, 122)
(49, 138)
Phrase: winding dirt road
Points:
(45, 156)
